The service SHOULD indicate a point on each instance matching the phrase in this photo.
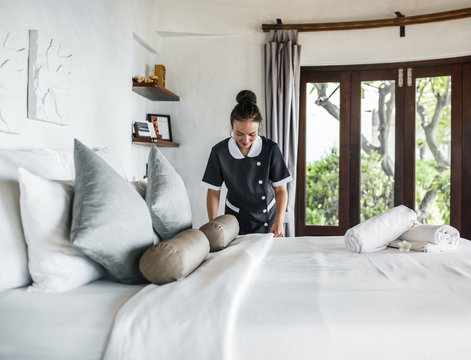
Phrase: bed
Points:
(259, 298)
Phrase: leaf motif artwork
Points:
(13, 62)
(49, 79)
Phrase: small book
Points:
(142, 129)
(145, 129)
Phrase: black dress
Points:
(249, 180)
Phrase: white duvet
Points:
(304, 298)
(192, 318)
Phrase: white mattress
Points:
(71, 325)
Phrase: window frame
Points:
(349, 182)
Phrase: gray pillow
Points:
(111, 223)
(174, 259)
(166, 197)
(221, 231)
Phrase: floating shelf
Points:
(149, 141)
(154, 92)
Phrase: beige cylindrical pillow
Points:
(221, 231)
(140, 186)
(174, 259)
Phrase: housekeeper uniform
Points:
(249, 180)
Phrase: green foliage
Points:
(427, 91)
(428, 178)
(377, 188)
(322, 188)
(427, 175)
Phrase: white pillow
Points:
(46, 212)
(47, 163)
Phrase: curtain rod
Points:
(400, 20)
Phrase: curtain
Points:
(282, 75)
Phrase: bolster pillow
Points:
(174, 259)
(221, 231)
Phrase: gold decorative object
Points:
(159, 71)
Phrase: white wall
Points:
(99, 34)
(213, 49)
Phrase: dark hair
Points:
(247, 108)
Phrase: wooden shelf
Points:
(149, 141)
(154, 92)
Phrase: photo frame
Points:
(162, 125)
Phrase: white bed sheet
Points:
(70, 325)
(312, 298)
(308, 298)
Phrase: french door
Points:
(375, 136)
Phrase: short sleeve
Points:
(279, 173)
(212, 178)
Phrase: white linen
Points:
(46, 212)
(310, 298)
(432, 273)
(47, 163)
(424, 246)
(62, 326)
(377, 232)
(50, 164)
(444, 235)
(314, 299)
(192, 318)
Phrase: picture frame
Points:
(162, 125)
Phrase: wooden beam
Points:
(369, 24)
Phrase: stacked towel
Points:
(377, 232)
(423, 246)
(430, 238)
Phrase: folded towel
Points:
(423, 246)
(377, 232)
(435, 234)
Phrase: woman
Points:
(254, 172)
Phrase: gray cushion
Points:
(111, 223)
(221, 231)
(174, 259)
(166, 197)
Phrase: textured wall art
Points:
(49, 76)
(13, 62)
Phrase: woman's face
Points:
(245, 133)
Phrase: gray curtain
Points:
(282, 73)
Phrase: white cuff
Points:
(282, 182)
(209, 186)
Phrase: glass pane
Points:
(433, 147)
(378, 123)
(322, 153)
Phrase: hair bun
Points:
(246, 97)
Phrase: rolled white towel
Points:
(423, 246)
(444, 235)
(377, 232)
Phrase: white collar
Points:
(255, 149)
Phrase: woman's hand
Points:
(278, 229)
(281, 196)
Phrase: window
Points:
(375, 136)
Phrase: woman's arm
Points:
(281, 197)
(212, 203)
